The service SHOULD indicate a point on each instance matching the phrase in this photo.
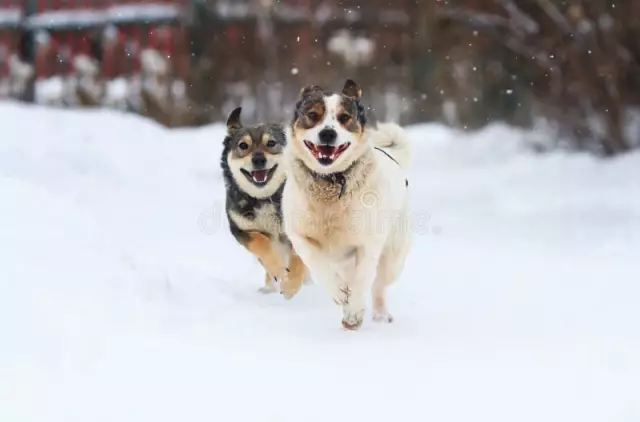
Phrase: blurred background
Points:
(567, 66)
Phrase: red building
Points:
(224, 51)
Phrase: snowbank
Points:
(123, 297)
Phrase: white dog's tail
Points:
(394, 140)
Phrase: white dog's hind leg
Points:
(379, 292)
(390, 267)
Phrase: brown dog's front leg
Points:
(298, 273)
(260, 246)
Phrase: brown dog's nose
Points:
(259, 160)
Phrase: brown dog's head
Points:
(327, 128)
(252, 156)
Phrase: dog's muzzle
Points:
(326, 151)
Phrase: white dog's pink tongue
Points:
(260, 176)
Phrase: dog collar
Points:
(340, 178)
(336, 178)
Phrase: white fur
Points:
(247, 186)
(393, 139)
(332, 104)
(357, 244)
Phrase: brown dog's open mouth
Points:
(260, 177)
(326, 154)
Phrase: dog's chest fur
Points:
(264, 218)
(330, 225)
(248, 214)
(325, 220)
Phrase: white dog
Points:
(345, 204)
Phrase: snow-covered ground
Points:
(124, 298)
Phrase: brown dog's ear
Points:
(352, 90)
(309, 89)
(233, 122)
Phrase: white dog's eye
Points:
(344, 118)
(271, 143)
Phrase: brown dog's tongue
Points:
(259, 175)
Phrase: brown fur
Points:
(348, 108)
(298, 272)
(305, 121)
(260, 246)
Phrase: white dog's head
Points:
(327, 128)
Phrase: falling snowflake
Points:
(294, 71)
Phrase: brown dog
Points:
(254, 179)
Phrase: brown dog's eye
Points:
(313, 116)
(243, 145)
(343, 118)
(271, 143)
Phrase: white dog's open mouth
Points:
(260, 177)
(326, 154)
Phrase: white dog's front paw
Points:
(382, 316)
(352, 319)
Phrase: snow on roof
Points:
(143, 12)
(292, 13)
(233, 9)
(64, 18)
(115, 14)
(10, 16)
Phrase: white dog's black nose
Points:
(258, 160)
(327, 136)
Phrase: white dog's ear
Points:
(309, 89)
(352, 90)
(233, 122)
